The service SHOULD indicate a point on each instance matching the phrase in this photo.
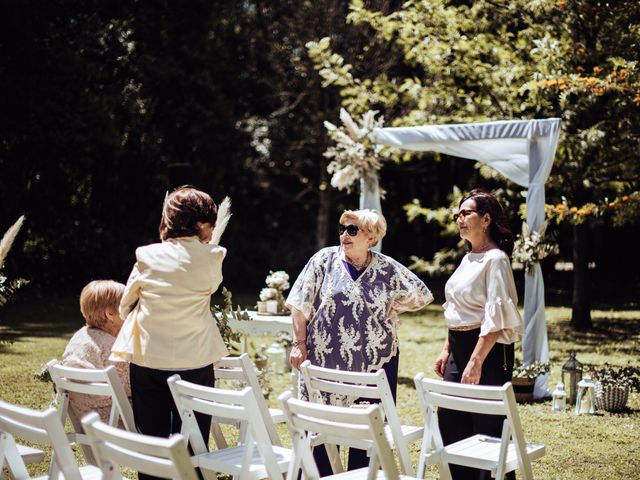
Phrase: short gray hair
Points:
(368, 220)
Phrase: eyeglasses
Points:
(352, 230)
(464, 213)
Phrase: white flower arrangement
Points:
(354, 154)
(278, 280)
(277, 283)
(268, 294)
(532, 247)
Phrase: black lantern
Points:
(571, 375)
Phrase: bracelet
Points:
(297, 343)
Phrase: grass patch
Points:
(599, 447)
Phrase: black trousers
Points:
(154, 410)
(497, 369)
(357, 457)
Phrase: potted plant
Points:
(612, 385)
(524, 378)
(260, 358)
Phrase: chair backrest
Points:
(234, 406)
(374, 385)
(241, 369)
(40, 427)
(481, 399)
(101, 382)
(338, 423)
(160, 457)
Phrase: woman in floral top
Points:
(90, 346)
(345, 306)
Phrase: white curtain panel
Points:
(522, 151)
(370, 198)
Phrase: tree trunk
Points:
(581, 301)
(324, 210)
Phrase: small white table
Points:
(261, 325)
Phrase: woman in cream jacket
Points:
(169, 327)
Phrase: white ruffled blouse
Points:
(482, 291)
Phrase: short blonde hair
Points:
(96, 297)
(371, 221)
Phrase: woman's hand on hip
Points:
(441, 362)
(298, 355)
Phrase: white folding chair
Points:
(254, 458)
(43, 428)
(160, 457)
(240, 369)
(320, 380)
(101, 382)
(340, 426)
(499, 455)
(28, 454)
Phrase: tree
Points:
(588, 74)
(468, 61)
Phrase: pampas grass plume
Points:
(224, 214)
(8, 238)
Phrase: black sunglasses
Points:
(464, 213)
(352, 230)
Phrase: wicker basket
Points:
(610, 397)
(523, 388)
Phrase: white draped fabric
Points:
(522, 151)
(370, 198)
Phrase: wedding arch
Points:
(522, 151)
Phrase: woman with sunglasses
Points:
(345, 306)
(481, 314)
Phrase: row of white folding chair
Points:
(342, 426)
(106, 382)
(500, 455)
(168, 458)
(356, 385)
(112, 447)
(99, 382)
(254, 457)
(43, 428)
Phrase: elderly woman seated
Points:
(90, 346)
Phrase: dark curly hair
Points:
(499, 230)
(183, 208)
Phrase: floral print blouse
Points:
(90, 348)
(352, 324)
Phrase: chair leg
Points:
(12, 458)
(504, 447)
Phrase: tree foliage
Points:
(468, 61)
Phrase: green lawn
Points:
(604, 446)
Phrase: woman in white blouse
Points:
(482, 318)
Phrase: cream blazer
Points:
(168, 322)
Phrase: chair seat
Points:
(363, 473)
(481, 451)
(409, 432)
(30, 454)
(230, 460)
(88, 472)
